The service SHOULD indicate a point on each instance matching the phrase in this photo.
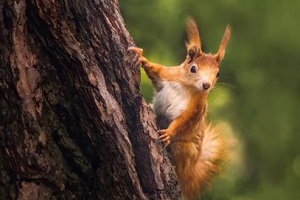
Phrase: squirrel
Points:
(180, 104)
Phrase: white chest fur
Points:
(169, 102)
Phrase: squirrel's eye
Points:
(193, 69)
(218, 74)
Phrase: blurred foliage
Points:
(258, 92)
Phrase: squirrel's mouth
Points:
(203, 86)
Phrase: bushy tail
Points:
(198, 177)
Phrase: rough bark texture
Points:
(73, 124)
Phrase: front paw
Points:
(165, 136)
(141, 60)
(136, 50)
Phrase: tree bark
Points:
(73, 124)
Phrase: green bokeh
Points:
(257, 96)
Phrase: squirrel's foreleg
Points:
(153, 70)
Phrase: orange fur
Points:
(196, 148)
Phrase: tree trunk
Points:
(73, 124)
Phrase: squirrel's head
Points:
(202, 70)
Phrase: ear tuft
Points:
(221, 52)
(193, 45)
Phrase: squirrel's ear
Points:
(193, 45)
(193, 52)
(221, 52)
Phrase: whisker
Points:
(227, 87)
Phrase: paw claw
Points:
(164, 137)
(137, 50)
(161, 131)
(139, 58)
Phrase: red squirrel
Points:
(180, 104)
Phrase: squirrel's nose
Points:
(206, 86)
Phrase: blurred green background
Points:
(257, 96)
